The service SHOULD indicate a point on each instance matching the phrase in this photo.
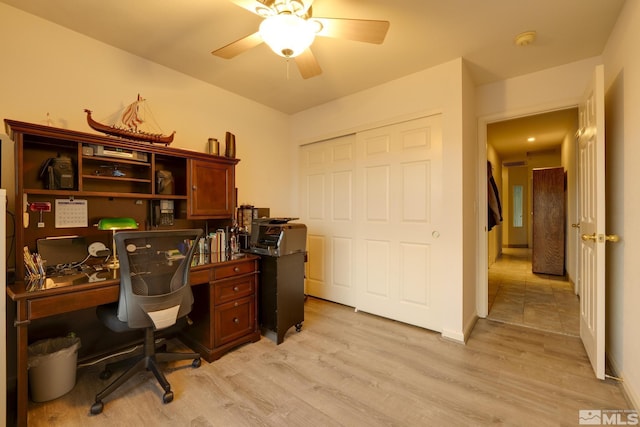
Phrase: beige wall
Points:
(49, 69)
(470, 201)
(568, 161)
(622, 105)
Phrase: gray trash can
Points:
(52, 367)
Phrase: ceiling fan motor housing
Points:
(286, 34)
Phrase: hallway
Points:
(538, 301)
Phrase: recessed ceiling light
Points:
(531, 139)
(526, 38)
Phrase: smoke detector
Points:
(526, 38)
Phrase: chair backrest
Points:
(154, 276)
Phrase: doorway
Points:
(514, 293)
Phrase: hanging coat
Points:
(495, 208)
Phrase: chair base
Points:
(149, 361)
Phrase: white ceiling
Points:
(180, 34)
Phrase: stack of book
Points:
(218, 245)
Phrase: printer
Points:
(277, 237)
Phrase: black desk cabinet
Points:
(281, 295)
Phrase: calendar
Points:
(71, 213)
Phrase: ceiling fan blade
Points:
(362, 30)
(308, 7)
(259, 7)
(307, 64)
(237, 47)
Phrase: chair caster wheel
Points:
(106, 374)
(168, 397)
(196, 363)
(97, 407)
(298, 327)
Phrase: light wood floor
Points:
(355, 369)
(540, 301)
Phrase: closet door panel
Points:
(327, 177)
(398, 198)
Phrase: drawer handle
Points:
(236, 289)
(236, 269)
(236, 320)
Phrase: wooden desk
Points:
(45, 303)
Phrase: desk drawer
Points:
(65, 303)
(199, 277)
(239, 269)
(234, 320)
(232, 289)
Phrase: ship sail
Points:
(129, 125)
(131, 115)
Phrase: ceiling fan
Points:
(289, 29)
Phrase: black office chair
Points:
(154, 294)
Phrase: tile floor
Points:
(539, 301)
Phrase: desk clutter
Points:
(34, 267)
(63, 262)
(68, 260)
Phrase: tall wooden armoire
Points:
(548, 221)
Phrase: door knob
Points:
(601, 237)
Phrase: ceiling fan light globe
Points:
(287, 35)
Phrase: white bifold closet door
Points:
(327, 184)
(372, 203)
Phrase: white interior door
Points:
(591, 209)
(398, 206)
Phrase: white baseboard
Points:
(632, 395)
(453, 336)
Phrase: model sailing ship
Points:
(128, 126)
